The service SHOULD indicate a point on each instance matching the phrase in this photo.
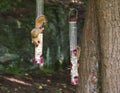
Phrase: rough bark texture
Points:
(109, 24)
(88, 69)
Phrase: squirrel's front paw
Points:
(36, 41)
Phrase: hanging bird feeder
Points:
(37, 32)
(73, 45)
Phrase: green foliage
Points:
(15, 67)
(5, 6)
(4, 89)
(8, 6)
(85, 1)
(1, 67)
(13, 70)
(59, 91)
(47, 70)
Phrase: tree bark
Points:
(109, 26)
(89, 60)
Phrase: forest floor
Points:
(36, 83)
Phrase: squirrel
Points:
(39, 28)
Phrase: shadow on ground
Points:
(34, 83)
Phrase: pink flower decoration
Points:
(72, 83)
(75, 82)
(76, 79)
(39, 61)
(75, 52)
(35, 61)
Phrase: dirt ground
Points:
(36, 83)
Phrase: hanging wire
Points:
(39, 48)
(73, 13)
(39, 8)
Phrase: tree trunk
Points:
(89, 63)
(109, 24)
